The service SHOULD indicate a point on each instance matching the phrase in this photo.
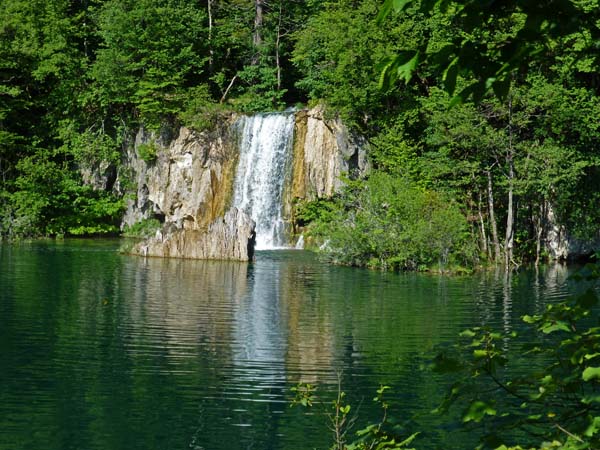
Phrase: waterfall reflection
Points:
(260, 329)
(280, 335)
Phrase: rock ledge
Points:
(230, 237)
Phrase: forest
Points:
(482, 121)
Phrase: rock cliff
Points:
(324, 149)
(187, 182)
(561, 245)
(229, 237)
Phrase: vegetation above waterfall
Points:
(485, 181)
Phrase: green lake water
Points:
(100, 350)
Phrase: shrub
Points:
(387, 222)
(142, 229)
(148, 151)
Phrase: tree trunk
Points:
(210, 43)
(510, 216)
(538, 223)
(277, 62)
(484, 246)
(493, 225)
(258, 24)
(510, 219)
(227, 90)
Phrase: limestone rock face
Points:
(324, 149)
(561, 245)
(229, 237)
(100, 175)
(189, 180)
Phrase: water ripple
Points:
(103, 351)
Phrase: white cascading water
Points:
(265, 158)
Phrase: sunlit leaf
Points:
(593, 428)
(591, 373)
(408, 440)
(399, 5)
(467, 333)
(405, 71)
(478, 354)
(477, 411)
(530, 319)
(548, 328)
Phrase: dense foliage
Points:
(452, 183)
(389, 222)
(519, 161)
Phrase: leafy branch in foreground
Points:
(556, 402)
(375, 436)
(490, 41)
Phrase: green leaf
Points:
(591, 373)
(591, 399)
(477, 410)
(385, 10)
(408, 440)
(387, 72)
(400, 66)
(530, 319)
(368, 429)
(405, 71)
(551, 327)
(399, 5)
(450, 75)
(455, 101)
(478, 354)
(593, 428)
(467, 333)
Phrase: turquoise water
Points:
(105, 351)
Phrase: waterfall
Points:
(265, 158)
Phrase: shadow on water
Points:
(101, 350)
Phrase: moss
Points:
(142, 229)
(148, 151)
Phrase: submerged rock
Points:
(229, 237)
